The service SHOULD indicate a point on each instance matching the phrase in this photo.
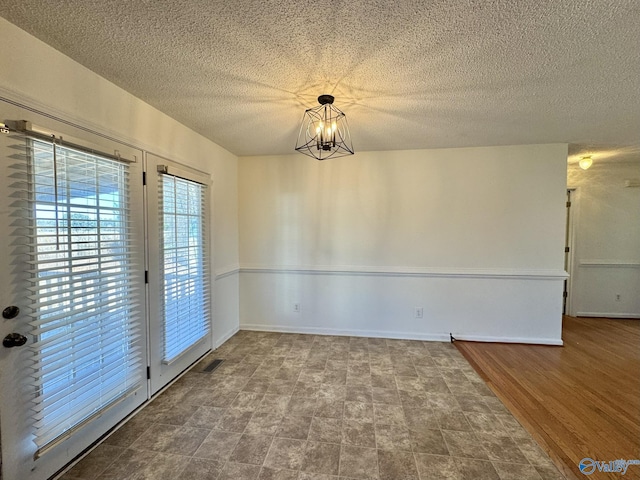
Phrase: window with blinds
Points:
(87, 354)
(185, 284)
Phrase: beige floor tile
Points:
(96, 462)
(464, 444)
(277, 474)
(396, 465)
(129, 464)
(472, 469)
(251, 449)
(392, 437)
(129, 432)
(218, 445)
(357, 462)
(453, 421)
(436, 467)
(428, 441)
(329, 408)
(385, 395)
(359, 393)
(263, 424)
(512, 471)
(500, 448)
(164, 466)
(361, 434)
(201, 469)
(321, 458)
(302, 406)
(293, 426)
(239, 471)
(206, 417)
(171, 439)
(234, 420)
(328, 430)
(286, 453)
(388, 414)
(360, 411)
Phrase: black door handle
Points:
(14, 340)
(10, 312)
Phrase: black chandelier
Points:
(324, 132)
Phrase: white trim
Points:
(608, 315)
(225, 337)
(491, 339)
(181, 170)
(19, 100)
(26, 102)
(433, 337)
(400, 271)
(610, 263)
(227, 271)
(574, 215)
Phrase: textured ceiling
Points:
(408, 73)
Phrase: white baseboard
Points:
(527, 340)
(433, 337)
(225, 337)
(608, 315)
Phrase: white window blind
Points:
(84, 311)
(185, 279)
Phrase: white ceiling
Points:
(408, 73)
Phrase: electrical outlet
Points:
(419, 312)
(617, 297)
(296, 307)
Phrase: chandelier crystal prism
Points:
(324, 132)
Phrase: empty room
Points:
(328, 240)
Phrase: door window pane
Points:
(185, 281)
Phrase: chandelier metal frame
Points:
(324, 132)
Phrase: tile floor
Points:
(308, 407)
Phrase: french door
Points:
(97, 313)
(73, 356)
(179, 303)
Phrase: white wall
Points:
(35, 74)
(607, 240)
(474, 236)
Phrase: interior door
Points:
(178, 265)
(63, 377)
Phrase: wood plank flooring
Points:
(579, 400)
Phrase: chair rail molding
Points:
(403, 271)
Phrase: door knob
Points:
(14, 340)
(10, 312)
